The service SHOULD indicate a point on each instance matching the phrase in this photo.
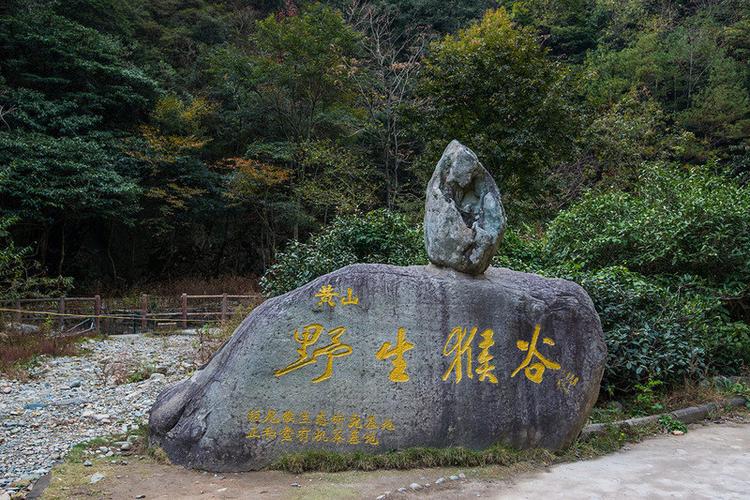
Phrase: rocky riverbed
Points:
(73, 399)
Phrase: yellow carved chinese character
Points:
(304, 418)
(310, 335)
(321, 420)
(320, 436)
(565, 384)
(337, 420)
(338, 436)
(371, 438)
(398, 373)
(269, 433)
(303, 435)
(286, 434)
(355, 422)
(253, 434)
(254, 416)
(326, 295)
(484, 358)
(371, 424)
(287, 417)
(461, 347)
(535, 371)
(388, 425)
(271, 417)
(354, 437)
(349, 299)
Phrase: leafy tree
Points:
(688, 67)
(493, 88)
(569, 28)
(68, 78)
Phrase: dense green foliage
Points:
(376, 237)
(168, 137)
(690, 222)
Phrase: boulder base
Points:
(374, 358)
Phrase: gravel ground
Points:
(70, 399)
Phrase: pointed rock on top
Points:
(464, 219)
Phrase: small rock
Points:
(380, 497)
(126, 446)
(96, 477)
(461, 475)
(440, 480)
(453, 478)
(464, 219)
(401, 490)
(74, 384)
(415, 486)
(6, 390)
(294, 485)
(677, 432)
(221, 490)
(138, 497)
(157, 376)
(87, 463)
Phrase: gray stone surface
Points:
(464, 219)
(210, 421)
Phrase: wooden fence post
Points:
(107, 322)
(223, 308)
(61, 310)
(184, 310)
(144, 311)
(97, 313)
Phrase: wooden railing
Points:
(98, 314)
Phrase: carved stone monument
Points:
(374, 357)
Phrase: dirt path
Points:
(708, 462)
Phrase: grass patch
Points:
(651, 400)
(414, 458)
(410, 458)
(143, 372)
(21, 351)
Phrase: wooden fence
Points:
(76, 314)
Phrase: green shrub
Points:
(670, 328)
(647, 332)
(380, 236)
(677, 222)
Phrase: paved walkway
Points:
(707, 462)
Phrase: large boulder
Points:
(375, 358)
(464, 219)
